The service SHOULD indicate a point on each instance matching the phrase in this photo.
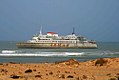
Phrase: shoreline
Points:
(98, 69)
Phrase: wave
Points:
(14, 53)
(81, 53)
(56, 54)
(8, 51)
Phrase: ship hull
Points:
(56, 45)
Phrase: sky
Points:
(94, 19)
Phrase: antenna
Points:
(73, 31)
(41, 30)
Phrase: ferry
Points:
(52, 40)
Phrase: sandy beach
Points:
(99, 69)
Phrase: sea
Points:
(10, 53)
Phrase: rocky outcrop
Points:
(100, 62)
(68, 62)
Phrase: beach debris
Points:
(28, 71)
(70, 76)
(100, 62)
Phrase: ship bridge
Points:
(70, 37)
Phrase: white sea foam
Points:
(8, 51)
(56, 54)
(45, 54)
(74, 53)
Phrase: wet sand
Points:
(99, 69)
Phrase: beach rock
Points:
(34, 70)
(117, 74)
(70, 76)
(15, 77)
(113, 79)
(38, 76)
(67, 72)
(100, 62)
(28, 71)
(117, 77)
(58, 71)
(77, 78)
(3, 70)
(1, 63)
(62, 76)
(68, 62)
(38, 72)
(108, 74)
(84, 77)
(12, 62)
(51, 73)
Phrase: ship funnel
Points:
(73, 31)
